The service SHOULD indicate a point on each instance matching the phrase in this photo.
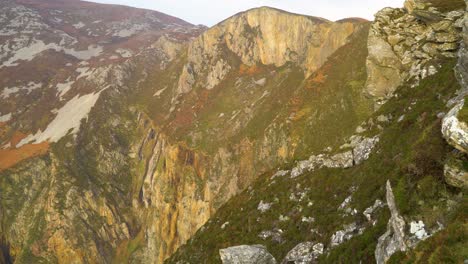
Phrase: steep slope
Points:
(64, 63)
(139, 143)
(55, 58)
(312, 211)
(150, 165)
(255, 118)
(346, 215)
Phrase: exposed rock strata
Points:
(406, 44)
(263, 35)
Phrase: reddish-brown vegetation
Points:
(11, 157)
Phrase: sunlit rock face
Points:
(267, 36)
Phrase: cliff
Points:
(170, 142)
(267, 36)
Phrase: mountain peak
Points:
(268, 36)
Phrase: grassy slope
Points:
(411, 154)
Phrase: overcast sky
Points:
(210, 12)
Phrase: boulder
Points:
(454, 130)
(246, 254)
(304, 253)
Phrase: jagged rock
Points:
(383, 67)
(362, 148)
(244, 254)
(402, 48)
(411, 5)
(454, 130)
(263, 207)
(341, 236)
(168, 47)
(455, 173)
(393, 239)
(304, 253)
(217, 74)
(418, 230)
(370, 210)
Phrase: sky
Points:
(210, 12)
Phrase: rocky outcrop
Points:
(394, 239)
(256, 254)
(454, 130)
(304, 253)
(344, 235)
(266, 36)
(462, 66)
(360, 150)
(405, 44)
(455, 173)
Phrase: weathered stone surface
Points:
(454, 130)
(455, 174)
(404, 43)
(370, 210)
(304, 253)
(462, 66)
(418, 230)
(341, 236)
(362, 148)
(383, 66)
(393, 239)
(255, 254)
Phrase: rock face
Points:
(454, 130)
(405, 44)
(304, 253)
(157, 188)
(361, 148)
(394, 239)
(266, 36)
(455, 173)
(462, 66)
(256, 254)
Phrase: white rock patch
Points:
(30, 52)
(263, 207)
(5, 118)
(63, 88)
(9, 91)
(12, 90)
(79, 25)
(67, 120)
(417, 229)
